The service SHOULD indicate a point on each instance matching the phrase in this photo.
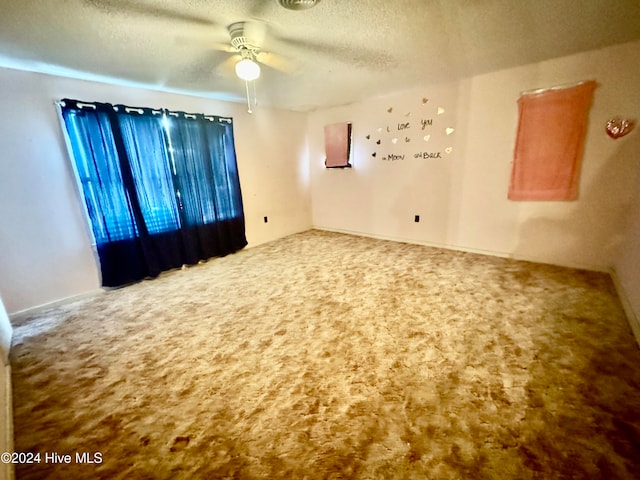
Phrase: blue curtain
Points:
(206, 181)
(161, 188)
(98, 169)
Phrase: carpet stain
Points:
(180, 443)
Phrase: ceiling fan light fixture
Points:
(298, 4)
(247, 69)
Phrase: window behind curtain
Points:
(98, 171)
(151, 171)
(161, 188)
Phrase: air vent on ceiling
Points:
(298, 4)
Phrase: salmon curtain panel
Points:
(551, 130)
(337, 145)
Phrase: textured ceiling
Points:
(342, 50)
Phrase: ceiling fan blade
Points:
(200, 71)
(227, 68)
(259, 8)
(359, 56)
(205, 42)
(142, 8)
(277, 62)
(255, 31)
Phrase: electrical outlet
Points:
(416, 218)
(266, 219)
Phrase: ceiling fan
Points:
(246, 41)
(245, 52)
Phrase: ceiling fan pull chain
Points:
(246, 84)
(255, 95)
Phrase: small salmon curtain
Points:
(337, 145)
(551, 131)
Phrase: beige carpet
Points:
(328, 356)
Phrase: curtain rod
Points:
(557, 87)
(155, 111)
(61, 103)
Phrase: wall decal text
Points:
(428, 155)
(426, 122)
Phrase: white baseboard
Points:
(413, 241)
(632, 317)
(20, 314)
(460, 248)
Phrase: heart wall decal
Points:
(617, 127)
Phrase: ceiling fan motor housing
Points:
(238, 39)
(298, 4)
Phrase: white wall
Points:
(627, 262)
(45, 251)
(462, 197)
